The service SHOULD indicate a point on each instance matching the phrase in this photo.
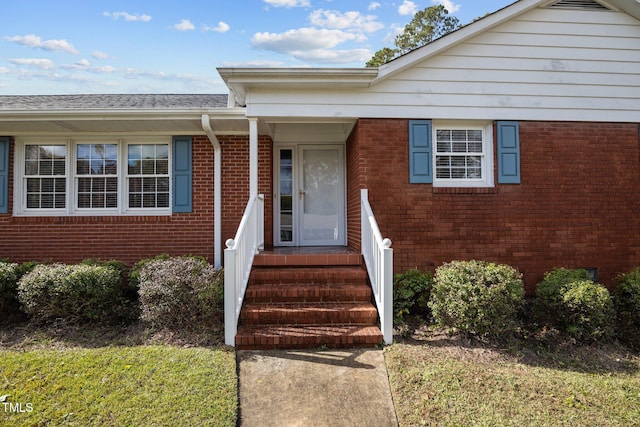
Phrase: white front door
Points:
(310, 195)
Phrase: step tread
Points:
(295, 292)
(308, 313)
(307, 275)
(307, 336)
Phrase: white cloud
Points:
(4, 70)
(222, 27)
(255, 64)
(327, 56)
(185, 25)
(345, 21)
(407, 8)
(287, 3)
(300, 40)
(448, 4)
(127, 16)
(374, 5)
(43, 64)
(99, 54)
(31, 40)
(83, 63)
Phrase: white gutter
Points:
(217, 191)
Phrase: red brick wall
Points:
(235, 183)
(578, 204)
(131, 238)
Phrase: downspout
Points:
(217, 191)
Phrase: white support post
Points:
(253, 157)
(230, 318)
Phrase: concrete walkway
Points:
(314, 388)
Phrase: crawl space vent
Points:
(579, 4)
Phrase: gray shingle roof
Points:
(106, 102)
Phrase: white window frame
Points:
(71, 202)
(487, 179)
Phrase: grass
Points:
(449, 381)
(53, 382)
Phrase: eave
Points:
(241, 80)
(120, 121)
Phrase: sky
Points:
(169, 46)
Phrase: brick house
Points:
(513, 139)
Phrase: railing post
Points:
(387, 291)
(230, 278)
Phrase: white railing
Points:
(378, 256)
(238, 259)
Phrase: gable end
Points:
(578, 4)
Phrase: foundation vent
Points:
(578, 4)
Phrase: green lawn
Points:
(131, 385)
(444, 382)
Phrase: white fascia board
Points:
(121, 114)
(631, 7)
(459, 36)
(241, 80)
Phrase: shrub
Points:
(134, 273)
(477, 297)
(8, 285)
(626, 298)
(570, 301)
(178, 290)
(82, 292)
(411, 292)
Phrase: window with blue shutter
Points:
(420, 152)
(182, 173)
(4, 175)
(508, 153)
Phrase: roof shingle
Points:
(109, 101)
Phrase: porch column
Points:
(253, 157)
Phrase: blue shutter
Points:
(420, 152)
(4, 175)
(508, 153)
(182, 171)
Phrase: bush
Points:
(477, 297)
(82, 292)
(134, 273)
(570, 301)
(626, 300)
(176, 291)
(411, 292)
(8, 286)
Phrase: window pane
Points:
(84, 200)
(31, 152)
(163, 200)
(82, 167)
(148, 151)
(148, 167)
(162, 167)
(148, 200)
(46, 167)
(135, 200)
(31, 167)
(162, 151)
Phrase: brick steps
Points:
(308, 336)
(308, 275)
(350, 292)
(308, 314)
(307, 301)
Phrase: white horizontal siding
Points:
(545, 65)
